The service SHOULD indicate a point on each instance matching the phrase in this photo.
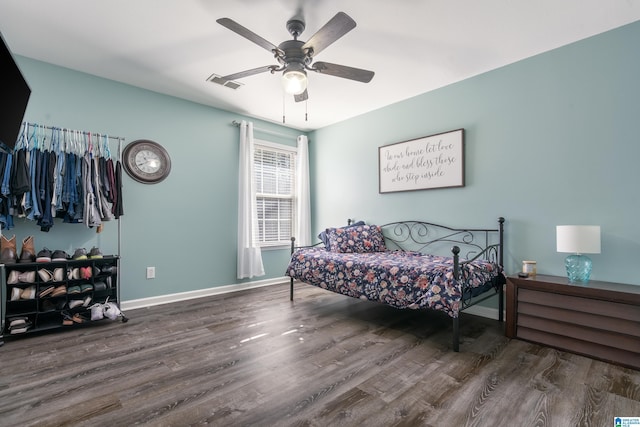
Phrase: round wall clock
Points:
(146, 161)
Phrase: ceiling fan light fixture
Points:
(294, 81)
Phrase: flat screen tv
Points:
(14, 96)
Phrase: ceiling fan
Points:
(295, 57)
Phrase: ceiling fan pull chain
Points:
(283, 109)
(306, 110)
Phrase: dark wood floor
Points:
(254, 358)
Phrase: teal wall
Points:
(550, 140)
(186, 225)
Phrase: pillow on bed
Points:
(356, 239)
(323, 236)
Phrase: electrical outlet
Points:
(151, 272)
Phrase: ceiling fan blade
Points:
(343, 71)
(337, 27)
(301, 97)
(246, 33)
(248, 73)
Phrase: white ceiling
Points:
(414, 46)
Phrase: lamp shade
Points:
(578, 239)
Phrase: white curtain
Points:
(303, 224)
(249, 254)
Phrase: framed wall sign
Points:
(435, 161)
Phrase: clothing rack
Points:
(270, 132)
(99, 135)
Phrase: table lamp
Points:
(578, 240)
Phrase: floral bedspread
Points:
(397, 278)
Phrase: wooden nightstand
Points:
(596, 319)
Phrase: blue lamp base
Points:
(578, 268)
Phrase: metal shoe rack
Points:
(45, 294)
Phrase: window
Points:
(275, 172)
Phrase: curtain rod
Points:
(35, 125)
(270, 132)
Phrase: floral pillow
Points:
(323, 236)
(362, 238)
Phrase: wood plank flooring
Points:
(253, 358)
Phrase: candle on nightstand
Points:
(529, 267)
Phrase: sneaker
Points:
(80, 253)
(59, 255)
(44, 255)
(95, 253)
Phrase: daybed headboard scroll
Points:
(438, 239)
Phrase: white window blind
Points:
(275, 170)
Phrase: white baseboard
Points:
(183, 296)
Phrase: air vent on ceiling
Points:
(214, 78)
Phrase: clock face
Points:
(146, 161)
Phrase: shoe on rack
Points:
(95, 253)
(15, 294)
(28, 293)
(74, 290)
(46, 291)
(45, 275)
(86, 287)
(59, 291)
(75, 303)
(27, 276)
(77, 318)
(79, 254)
(8, 252)
(73, 273)
(28, 252)
(66, 319)
(109, 269)
(16, 322)
(59, 255)
(58, 274)
(86, 301)
(85, 272)
(14, 276)
(19, 327)
(44, 255)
